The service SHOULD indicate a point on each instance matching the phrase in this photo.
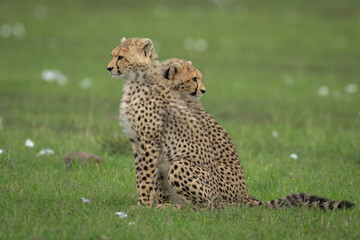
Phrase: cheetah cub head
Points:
(183, 77)
(132, 57)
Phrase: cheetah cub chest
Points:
(126, 108)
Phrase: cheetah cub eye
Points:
(119, 58)
(195, 79)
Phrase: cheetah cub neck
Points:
(135, 60)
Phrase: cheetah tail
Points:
(301, 199)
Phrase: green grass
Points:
(252, 47)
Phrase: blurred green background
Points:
(282, 77)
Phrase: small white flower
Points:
(294, 156)
(200, 45)
(53, 75)
(131, 223)
(41, 13)
(340, 41)
(5, 31)
(323, 91)
(61, 79)
(288, 79)
(1, 124)
(85, 83)
(84, 200)
(18, 30)
(48, 75)
(1, 151)
(351, 88)
(121, 214)
(46, 151)
(275, 134)
(29, 143)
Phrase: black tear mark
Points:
(117, 66)
(194, 93)
(166, 75)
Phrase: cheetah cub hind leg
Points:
(194, 184)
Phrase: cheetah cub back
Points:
(184, 78)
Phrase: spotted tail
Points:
(300, 199)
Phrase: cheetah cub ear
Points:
(173, 69)
(147, 47)
(123, 40)
(189, 62)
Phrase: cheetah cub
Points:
(184, 78)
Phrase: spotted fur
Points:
(170, 147)
(180, 151)
(191, 78)
(232, 181)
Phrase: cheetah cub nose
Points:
(110, 68)
(202, 91)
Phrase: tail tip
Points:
(345, 204)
